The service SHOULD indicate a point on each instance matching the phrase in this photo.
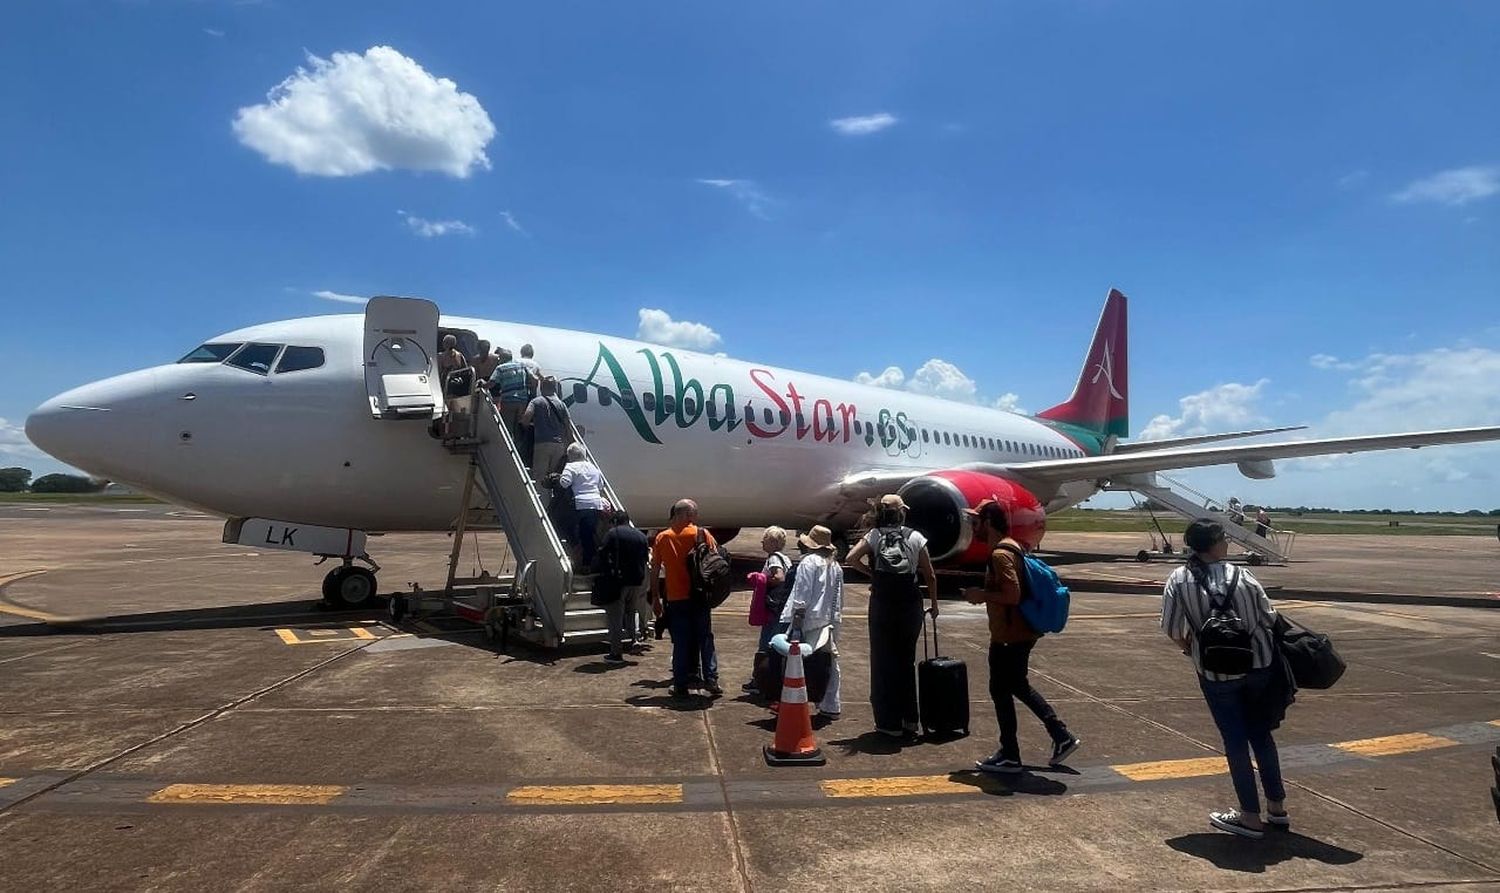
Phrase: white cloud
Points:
(513, 223)
(327, 295)
(940, 378)
(213, 32)
(431, 229)
(1458, 186)
(892, 378)
(14, 446)
(746, 192)
(1327, 361)
(863, 125)
(1454, 387)
(658, 327)
(1009, 402)
(936, 378)
(354, 114)
(1222, 407)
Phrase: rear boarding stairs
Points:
(1275, 548)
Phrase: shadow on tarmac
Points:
(222, 617)
(1232, 853)
(1025, 782)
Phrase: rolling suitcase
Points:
(942, 690)
(770, 670)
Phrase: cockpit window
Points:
(296, 359)
(255, 357)
(212, 352)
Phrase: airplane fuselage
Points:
(753, 444)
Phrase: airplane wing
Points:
(1174, 442)
(1115, 465)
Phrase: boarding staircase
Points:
(1276, 548)
(545, 600)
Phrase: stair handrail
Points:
(496, 428)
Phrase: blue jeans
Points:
(1239, 711)
(691, 626)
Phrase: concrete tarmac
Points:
(208, 726)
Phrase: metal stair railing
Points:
(517, 503)
(1189, 509)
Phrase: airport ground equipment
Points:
(1276, 548)
(544, 599)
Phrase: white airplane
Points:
(308, 422)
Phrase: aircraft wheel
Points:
(1256, 560)
(1143, 556)
(396, 608)
(349, 588)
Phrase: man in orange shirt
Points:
(1011, 641)
(687, 615)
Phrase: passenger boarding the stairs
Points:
(452, 362)
(1011, 642)
(818, 591)
(510, 385)
(547, 417)
(1220, 616)
(585, 480)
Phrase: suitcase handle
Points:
(935, 648)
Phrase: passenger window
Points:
(648, 401)
(212, 352)
(255, 358)
(924, 435)
(689, 406)
(801, 421)
(299, 359)
(946, 441)
(857, 429)
(786, 417)
(605, 398)
(668, 403)
(769, 416)
(580, 392)
(712, 408)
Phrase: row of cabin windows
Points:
(861, 429)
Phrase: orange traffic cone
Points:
(794, 744)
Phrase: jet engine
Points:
(936, 505)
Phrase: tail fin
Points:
(1101, 399)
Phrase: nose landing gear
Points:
(350, 588)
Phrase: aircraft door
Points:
(400, 358)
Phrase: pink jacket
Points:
(760, 613)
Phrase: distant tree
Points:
(14, 479)
(66, 483)
(1495, 513)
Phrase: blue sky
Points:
(1300, 199)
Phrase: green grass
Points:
(1129, 521)
(77, 498)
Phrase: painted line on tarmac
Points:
(330, 634)
(18, 610)
(269, 794)
(699, 794)
(594, 794)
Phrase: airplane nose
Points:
(101, 428)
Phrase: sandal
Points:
(1278, 820)
(1234, 822)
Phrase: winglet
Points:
(1101, 399)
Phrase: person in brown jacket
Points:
(1011, 641)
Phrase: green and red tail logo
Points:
(1101, 399)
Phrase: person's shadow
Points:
(1233, 853)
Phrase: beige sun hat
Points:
(819, 537)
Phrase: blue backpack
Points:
(1045, 599)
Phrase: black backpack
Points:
(776, 598)
(1225, 643)
(708, 568)
(892, 557)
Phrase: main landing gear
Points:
(349, 587)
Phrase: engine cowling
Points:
(936, 505)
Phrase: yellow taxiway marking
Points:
(594, 794)
(910, 786)
(1394, 744)
(9, 607)
(1165, 769)
(8, 781)
(288, 637)
(362, 633)
(272, 794)
(324, 635)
